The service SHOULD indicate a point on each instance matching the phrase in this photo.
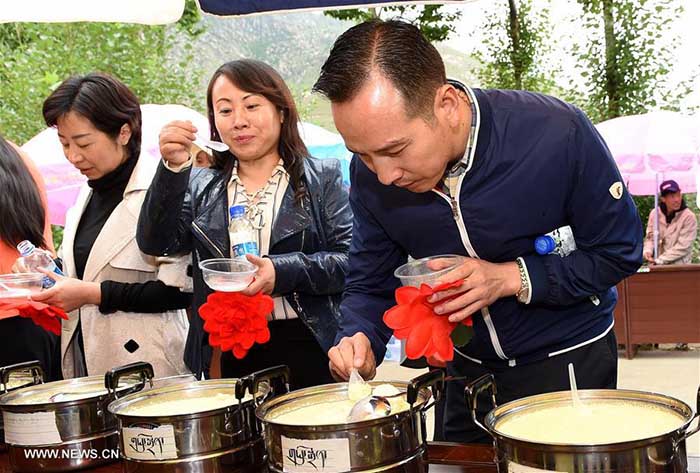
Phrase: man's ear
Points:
(447, 102)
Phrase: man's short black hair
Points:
(397, 50)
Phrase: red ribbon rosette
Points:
(426, 333)
(43, 315)
(235, 321)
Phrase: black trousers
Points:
(292, 344)
(595, 365)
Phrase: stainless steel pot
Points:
(661, 453)
(395, 443)
(62, 425)
(202, 426)
(14, 377)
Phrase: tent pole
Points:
(656, 219)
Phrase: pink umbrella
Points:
(63, 181)
(653, 147)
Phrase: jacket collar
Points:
(118, 230)
(211, 223)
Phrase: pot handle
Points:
(434, 379)
(34, 368)
(113, 376)
(253, 381)
(471, 395)
(694, 431)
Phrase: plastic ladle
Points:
(578, 404)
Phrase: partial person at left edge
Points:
(23, 216)
(124, 306)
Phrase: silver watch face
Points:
(523, 294)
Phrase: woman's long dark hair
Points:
(22, 213)
(256, 77)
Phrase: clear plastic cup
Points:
(228, 274)
(417, 272)
(20, 285)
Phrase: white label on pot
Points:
(36, 428)
(518, 468)
(149, 443)
(304, 456)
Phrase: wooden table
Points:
(659, 306)
(444, 458)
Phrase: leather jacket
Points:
(187, 211)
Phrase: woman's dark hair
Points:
(256, 77)
(103, 100)
(397, 50)
(22, 213)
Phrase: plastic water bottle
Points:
(241, 233)
(35, 258)
(559, 242)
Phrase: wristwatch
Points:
(523, 295)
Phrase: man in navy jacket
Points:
(440, 168)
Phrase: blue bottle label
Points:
(47, 282)
(241, 249)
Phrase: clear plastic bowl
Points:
(20, 285)
(228, 274)
(417, 272)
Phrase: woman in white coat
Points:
(124, 306)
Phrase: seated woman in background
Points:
(124, 306)
(297, 204)
(23, 216)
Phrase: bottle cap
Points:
(25, 247)
(237, 211)
(544, 245)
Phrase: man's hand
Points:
(649, 257)
(69, 293)
(352, 352)
(484, 283)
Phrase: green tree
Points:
(434, 21)
(515, 48)
(37, 57)
(627, 55)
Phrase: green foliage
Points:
(190, 21)
(516, 58)
(627, 56)
(435, 23)
(37, 57)
(57, 232)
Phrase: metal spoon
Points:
(371, 407)
(203, 142)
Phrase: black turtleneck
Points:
(151, 296)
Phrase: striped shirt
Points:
(450, 180)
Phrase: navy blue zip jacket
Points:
(539, 164)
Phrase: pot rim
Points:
(529, 402)
(271, 405)
(98, 380)
(118, 406)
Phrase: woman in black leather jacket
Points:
(298, 205)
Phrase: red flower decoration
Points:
(235, 321)
(426, 333)
(44, 315)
